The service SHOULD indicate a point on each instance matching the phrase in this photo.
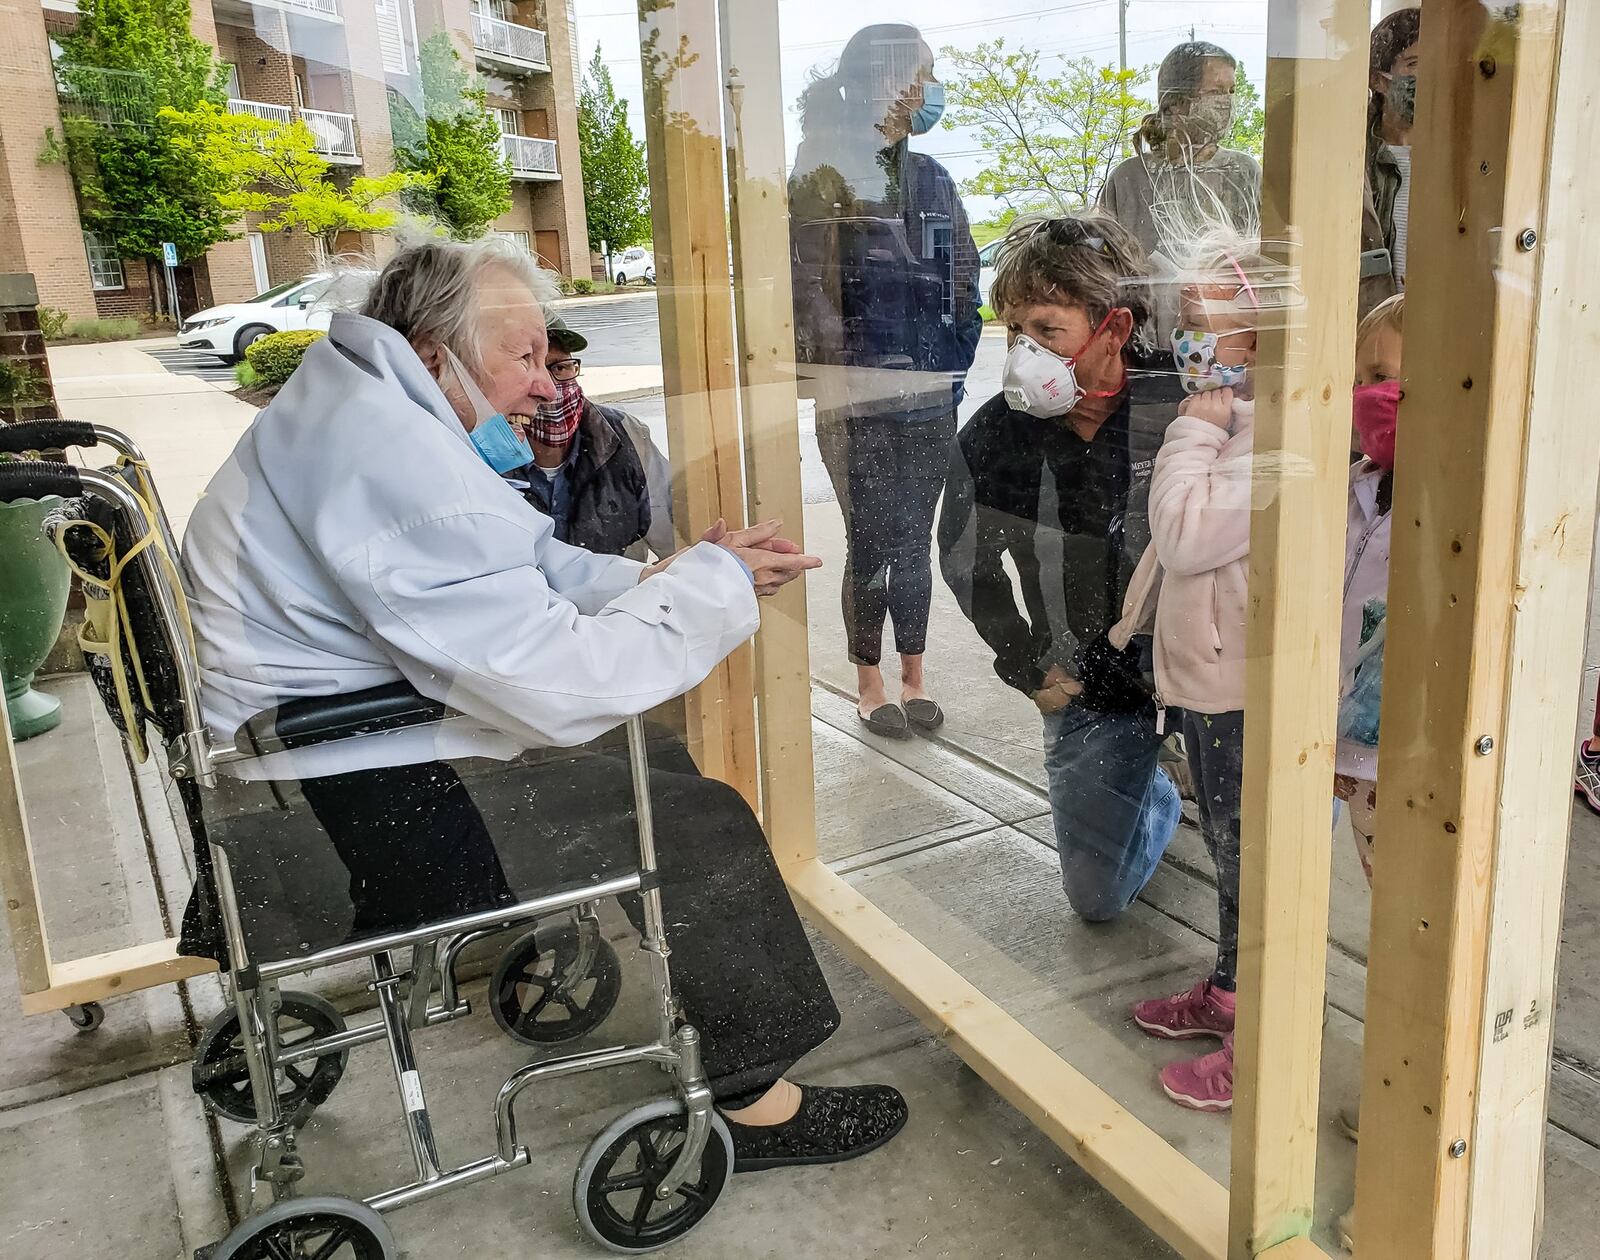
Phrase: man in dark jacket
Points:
(595, 472)
(1054, 472)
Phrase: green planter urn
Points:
(33, 599)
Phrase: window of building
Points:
(509, 121)
(520, 238)
(392, 36)
(105, 267)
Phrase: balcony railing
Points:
(261, 109)
(322, 8)
(510, 41)
(333, 134)
(107, 96)
(530, 157)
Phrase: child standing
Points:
(1366, 569)
(1196, 573)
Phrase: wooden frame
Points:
(1489, 582)
(1314, 96)
(45, 983)
(1488, 589)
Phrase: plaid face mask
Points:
(555, 423)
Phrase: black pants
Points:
(1215, 744)
(888, 475)
(424, 842)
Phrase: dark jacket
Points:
(608, 495)
(886, 283)
(1073, 516)
(1380, 188)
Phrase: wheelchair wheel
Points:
(320, 1228)
(222, 1076)
(614, 1191)
(538, 997)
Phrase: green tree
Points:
(1053, 138)
(274, 170)
(616, 181)
(454, 141)
(124, 62)
(1249, 119)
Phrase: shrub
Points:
(245, 375)
(581, 286)
(103, 329)
(274, 357)
(52, 322)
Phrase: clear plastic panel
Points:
(937, 432)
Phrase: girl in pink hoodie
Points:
(1196, 575)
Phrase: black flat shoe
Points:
(834, 1123)
(925, 715)
(887, 719)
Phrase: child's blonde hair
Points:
(1389, 313)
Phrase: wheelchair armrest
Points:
(325, 719)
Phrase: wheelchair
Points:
(644, 1182)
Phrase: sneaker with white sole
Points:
(1203, 1011)
(1203, 1084)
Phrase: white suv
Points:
(309, 302)
(637, 263)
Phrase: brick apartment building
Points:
(332, 63)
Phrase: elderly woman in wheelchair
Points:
(373, 703)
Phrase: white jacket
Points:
(1366, 576)
(355, 538)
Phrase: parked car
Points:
(634, 264)
(309, 302)
(986, 261)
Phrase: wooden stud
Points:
(1548, 627)
(18, 884)
(758, 213)
(115, 974)
(1487, 590)
(1163, 1188)
(683, 128)
(1315, 92)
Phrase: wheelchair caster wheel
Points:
(323, 1228)
(222, 1075)
(614, 1192)
(536, 995)
(86, 1018)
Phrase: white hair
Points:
(430, 289)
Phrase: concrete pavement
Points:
(950, 836)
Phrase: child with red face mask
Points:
(1366, 568)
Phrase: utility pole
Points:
(1122, 33)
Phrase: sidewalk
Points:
(101, 1138)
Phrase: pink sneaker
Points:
(1203, 1084)
(1203, 1011)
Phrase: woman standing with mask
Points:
(1386, 197)
(1182, 183)
(886, 326)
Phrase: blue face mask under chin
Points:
(492, 436)
(930, 111)
(499, 446)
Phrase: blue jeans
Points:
(1115, 809)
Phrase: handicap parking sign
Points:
(169, 253)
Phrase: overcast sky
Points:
(813, 32)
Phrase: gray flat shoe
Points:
(887, 719)
(925, 714)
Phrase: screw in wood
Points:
(1527, 239)
(1485, 745)
(1458, 1148)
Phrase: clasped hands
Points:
(773, 561)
